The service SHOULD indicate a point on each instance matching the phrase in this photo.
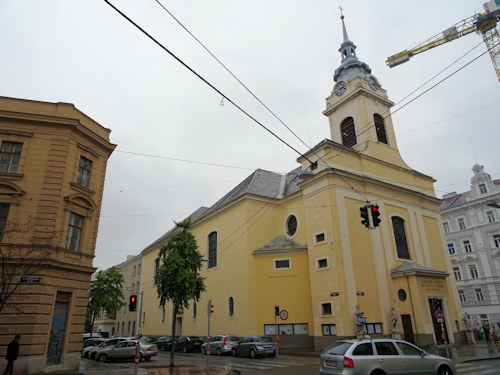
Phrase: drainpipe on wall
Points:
(412, 310)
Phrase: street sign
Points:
(439, 314)
(361, 320)
(284, 315)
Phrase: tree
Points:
(23, 257)
(179, 280)
(106, 296)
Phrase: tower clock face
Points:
(373, 84)
(340, 88)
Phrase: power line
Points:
(204, 80)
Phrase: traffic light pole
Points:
(276, 330)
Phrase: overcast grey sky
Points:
(285, 51)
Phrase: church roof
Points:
(280, 243)
(350, 66)
(407, 268)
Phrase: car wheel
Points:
(444, 370)
(219, 351)
(103, 358)
(203, 350)
(185, 349)
(378, 372)
(234, 352)
(252, 354)
(147, 358)
(86, 355)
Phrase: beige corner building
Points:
(52, 167)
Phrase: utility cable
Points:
(233, 75)
(204, 80)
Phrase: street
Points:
(283, 365)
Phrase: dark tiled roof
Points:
(454, 200)
(280, 243)
(407, 268)
(194, 216)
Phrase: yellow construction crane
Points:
(483, 23)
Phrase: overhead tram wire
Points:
(204, 80)
(233, 75)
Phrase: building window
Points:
(482, 189)
(374, 328)
(479, 295)
(451, 248)
(212, 250)
(329, 329)
(348, 132)
(446, 227)
(319, 238)
(195, 310)
(461, 224)
(4, 212)
(157, 266)
(491, 217)
(461, 294)
(322, 263)
(473, 271)
(398, 226)
(128, 329)
(496, 240)
(457, 273)
(163, 314)
(380, 128)
(84, 169)
(467, 246)
(139, 269)
(326, 309)
(75, 227)
(10, 156)
(282, 264)
(291, 225)
(230, 305)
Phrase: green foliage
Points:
(179, 280)
(106, 294)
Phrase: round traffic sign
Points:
(284, 315)
(439, 314)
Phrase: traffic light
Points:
(363, 212)
(276, 310)
(210, 308)
(375, 215)
(132, 305)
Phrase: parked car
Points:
(92, 342)
(381, 356)
(164, 343)
(255, 346)
(220, 344)
(90, 351)
(188, 344)
(126, 350)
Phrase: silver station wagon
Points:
(381, 357)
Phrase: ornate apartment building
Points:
(52, 167)
(471, 222)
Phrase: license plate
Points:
(269, 350)
(331, 363)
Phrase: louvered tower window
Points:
(348, 132)
(380, 128)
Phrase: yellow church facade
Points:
(295, 242)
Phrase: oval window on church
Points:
(291, 225)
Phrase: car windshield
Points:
(231, 338)
(264, 339)
(337, 348)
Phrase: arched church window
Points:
(348, 132)
(380, 128)
(398, 226)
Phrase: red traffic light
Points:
(132, 299)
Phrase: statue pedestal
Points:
(469, 335)
(396, 335)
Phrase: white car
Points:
(381, 356)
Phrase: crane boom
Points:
(484, 23)
(461, 28)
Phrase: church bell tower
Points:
(358, 108)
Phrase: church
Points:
(349, 243)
